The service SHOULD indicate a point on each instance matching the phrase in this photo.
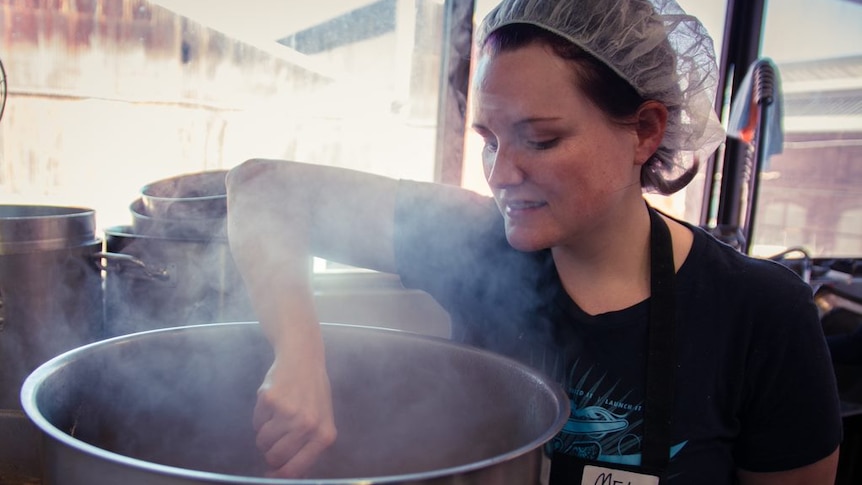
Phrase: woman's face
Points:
(558, 167)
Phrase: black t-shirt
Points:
(754, 388)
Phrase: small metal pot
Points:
(200, 195)
(197, 229)
(174, 406)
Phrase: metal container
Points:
(155, 282)
(199, 195)
(50, 288)
(189, 206)
(174, 406)
(50, 302)
(188, 228)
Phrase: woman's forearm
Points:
(269, 229)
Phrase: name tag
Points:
(596, 475)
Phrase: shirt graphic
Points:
(601, 426)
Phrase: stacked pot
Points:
(172, 265)
(50, 288)
(62, 287)
(50, 302)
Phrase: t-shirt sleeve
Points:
(442, 235)
(790, 411)
(451, 243)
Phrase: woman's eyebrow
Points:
(536, 119)
(536, 123)
(523, 122)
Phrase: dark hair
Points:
(602, 85)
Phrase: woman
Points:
(684, 359)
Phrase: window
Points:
(107, 96)
(811, 193)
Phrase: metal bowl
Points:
(174, 406)
(196, 229)
(200, 195)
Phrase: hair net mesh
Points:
(664, 53)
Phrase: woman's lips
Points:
(521, 208)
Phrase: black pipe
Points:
(743, 28)
(763, 90)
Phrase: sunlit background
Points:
(105, 96)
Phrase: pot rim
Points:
(169, 189)
(30, 228)
(31, 386)
(204, 191)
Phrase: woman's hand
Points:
(293, 417)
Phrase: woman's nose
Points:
(501, 170)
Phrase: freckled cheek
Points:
(591, 174)
(568, 191)
(612, 180)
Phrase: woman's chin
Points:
(525, 242)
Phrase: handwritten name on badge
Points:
(596, 475)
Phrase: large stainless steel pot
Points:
(173, 406)
(50, 288)
(154, 282)
(50, 302)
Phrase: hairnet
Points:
(664, 53)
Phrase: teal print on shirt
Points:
(602, 428)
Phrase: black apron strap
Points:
(660, 363)
(661, 356)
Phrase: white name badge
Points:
(596, 475)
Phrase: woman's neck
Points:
(611, 270)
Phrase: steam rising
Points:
(404, 404)
(184, 397)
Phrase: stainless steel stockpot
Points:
(154, 282)
(50, 288)
(173, 406)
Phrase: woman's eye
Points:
(490, 146)
(544, 144)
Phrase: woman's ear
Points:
(651, 119)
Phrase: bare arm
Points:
(279, 215)
(818, 473)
